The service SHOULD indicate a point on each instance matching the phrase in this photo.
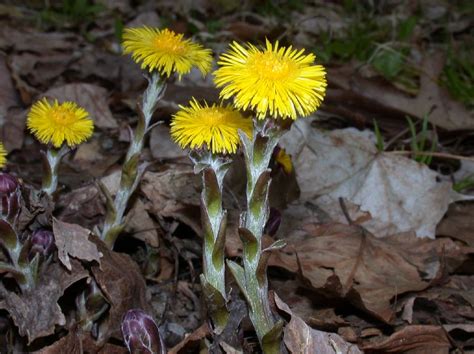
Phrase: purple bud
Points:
(8, 183)
(9, 199)
(42, 242)
(273, 222)
(140, 333)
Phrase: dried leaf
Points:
(413, 339)
(161, 145)
(73, 240)
(400, 194)
(341, 260)
(141, 225)
(192, 338)
(302, 339)
(122, 283)
(92, 97)
(36, 313)
(175, 193)
(458, 223)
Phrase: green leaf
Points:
(388, 62)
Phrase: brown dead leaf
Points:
(175, 193)
(458, 223)
(413, 339)
(141, 225)
(340, 260)
(191, 339)
(36, 313)
(122, 283)
(32, 40)
(73, 240)
(302, 339)
(92, 97)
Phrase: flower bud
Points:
(42, 242)
(273, 222)
(8, 184)
(8, 197)
(140, 333)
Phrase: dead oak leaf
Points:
(36, 312)
(73, 240)
(299, 338)
(340, 260)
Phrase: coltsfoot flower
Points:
(215, 127)
(165, 51)
(58, 123)
(273, 81)
(3, 155)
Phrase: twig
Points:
(434, 154)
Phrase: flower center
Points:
(62, 115)
(169, 43)
(270, 66)
(214, 117)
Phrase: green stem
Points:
(51, 161)
(131, 171)
(253, 278)
(214, 220)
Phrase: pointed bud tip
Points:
(140, 332)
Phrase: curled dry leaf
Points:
(73, 240)
(175, 193)
(191, 339)
(345, 261)
(92, 97)
(122, 283)
(413, 340)
(36, 313)
(389, 193)
(299, 338)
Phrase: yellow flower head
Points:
(165, 51)
(284, 160)
(3, 155)
(215, 127)
(276, 81)
(57, 123)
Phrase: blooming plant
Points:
(276, 83)
(161, 53)
(61, 127)
(211, 132)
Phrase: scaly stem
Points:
(51, 161)
(214, 220)
(131, 171)
(253, 278)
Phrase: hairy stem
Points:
(252, 279)
(51, 161)
(214, 220)
(131, 171)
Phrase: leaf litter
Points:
(398, 278)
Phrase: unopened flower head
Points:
(215, 127)
(3, 156)
(59, 122)
(165, 51)
(273, 81)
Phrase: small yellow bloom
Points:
(165, 51)
(284, 160)
(215, 127)
(276, 81)
(3, 155)
(58, 123)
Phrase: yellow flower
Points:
(165, 51)
(276, 81)
(3, 155)
(58, 123)
(215, 127)
(284, 160)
